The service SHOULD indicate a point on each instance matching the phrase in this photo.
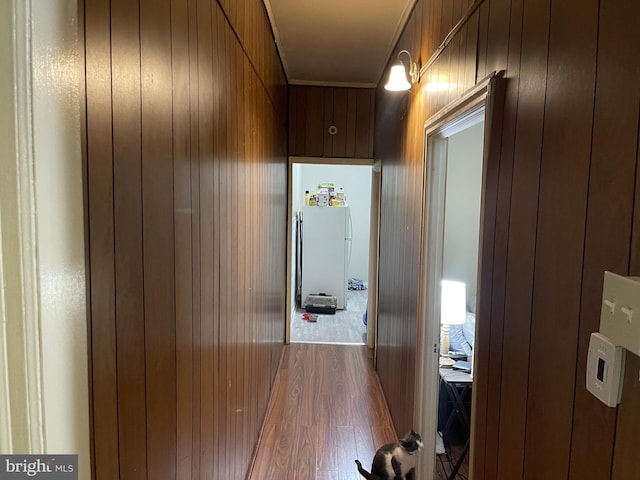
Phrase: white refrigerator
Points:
(326, 251)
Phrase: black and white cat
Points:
(394, 460)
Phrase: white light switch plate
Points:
(620, 314)
(605, 366)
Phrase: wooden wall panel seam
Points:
(619, 59)
(186, 148)
(498, 33)
(557, 63)
(97, 37)
(256, 68)
(564, 181)
(314, 109)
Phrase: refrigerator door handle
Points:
(349, 227)
(349, 239)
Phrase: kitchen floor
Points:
(345, 327)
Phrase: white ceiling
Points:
(337, 42)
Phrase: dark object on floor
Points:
(364, 318)
(321, 303)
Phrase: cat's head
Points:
(412, 442)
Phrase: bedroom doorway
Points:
(454, 221)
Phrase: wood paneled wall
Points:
(314, 110)
(185, 143)
(566, 208)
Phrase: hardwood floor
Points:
(326, 411)
(443, 468)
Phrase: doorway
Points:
(318, 253)
(454, 223)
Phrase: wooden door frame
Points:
(481, 99)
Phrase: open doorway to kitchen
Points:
(330, 242)
(454, 221)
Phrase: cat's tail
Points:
(363, 472)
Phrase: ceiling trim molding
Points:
(319, 83)
(276, 36)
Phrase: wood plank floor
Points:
(326, 411)
(443, 468)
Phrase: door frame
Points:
(375, 212)
(480, 100)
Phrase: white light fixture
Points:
(398, 81)
(452, 312)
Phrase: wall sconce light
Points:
(398, 75)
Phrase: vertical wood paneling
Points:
(295, 103)
(560, 235)
(444, 62)
(187, 325)
(483, 32)
(498, 53)
(399, 247)
(127, 149)
(470, 69)
(219, 186)
(339, 143)
(314, 134)
(626, 461)
(609, 219)
(508, 154)
(223, 160)
(456, 64)
(100, 212)
(364, 113)
(351, 122)
(314, 109)
(522, 234)
(328, 120)
(196, 292)
(634, 262)
(208, 380)
(158, 236)
(300, 107)
(564, 184)
(487, 273)
(183, 237)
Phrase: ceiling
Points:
(337, 42)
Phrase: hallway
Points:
(327, 410)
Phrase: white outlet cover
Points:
(605, 367)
